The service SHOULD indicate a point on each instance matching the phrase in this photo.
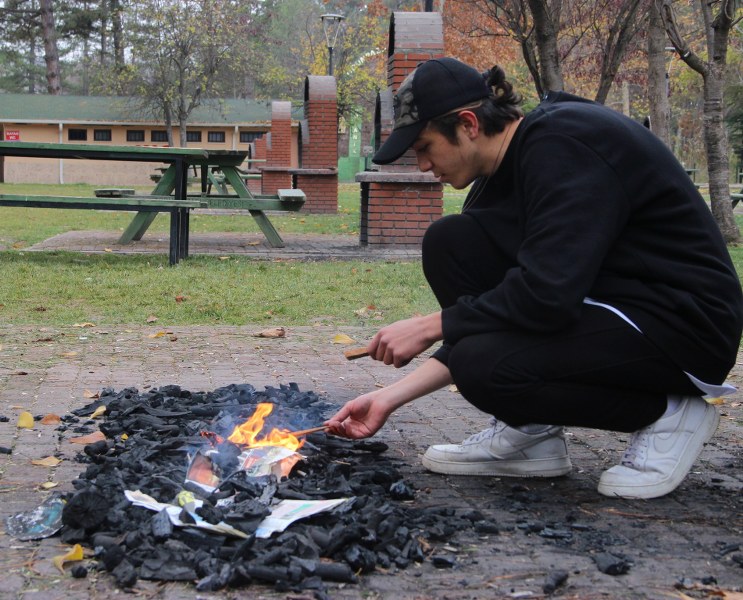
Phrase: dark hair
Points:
(495, 112)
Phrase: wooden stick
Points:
(355, 353)
(302, 432)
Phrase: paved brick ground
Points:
(690, 535)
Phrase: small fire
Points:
(245, 434)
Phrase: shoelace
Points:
(495, 427)
(636, 449)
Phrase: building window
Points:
(250, 136)
(193, 136)
(158, 135)
(216, 136)
(102, 135)
(77, 135)
(135, 135)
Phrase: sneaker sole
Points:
(689, 456)
(545, 467)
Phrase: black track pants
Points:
(599, 373)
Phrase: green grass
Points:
(64, 288)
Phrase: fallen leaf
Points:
(98, 412)
(253, 244)
(160, 334)
(342, 338)
(51, 419)
(151, 319)
(181, 298)
(107, 250)
(21, 373)
(49, 461)
(84, 325)
(89, 394)
(715, 401)
(224, 258)
(75, 554)
(91, 438)
(48, 485)
(453, 388)
(273, 332)
(69, 354)
(25, 420)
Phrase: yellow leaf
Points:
(25, 420)
(342, 338)
(715, 401)
(89, 439)
(224, 258)
(69, 354)
(49, 461)
(160, 334)
(50, 419)
(48, 485)
(89, 394)
(98, 412)
(84, 325)
(273, 332)
(124, 437)
(151, 319)
(107, 250)
(75, 554)
(253, 244)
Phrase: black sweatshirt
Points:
(589, 203)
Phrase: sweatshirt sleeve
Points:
(572, 209)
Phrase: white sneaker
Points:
(660, 456)
(503, 451)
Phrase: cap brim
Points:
(398, 142)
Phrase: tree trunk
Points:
(118, 35)
(546, 35)
(715, 143)
(658, 82)
(51, 53)
(717, 31)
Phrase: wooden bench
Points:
(178, 209)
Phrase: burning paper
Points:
(274, 454)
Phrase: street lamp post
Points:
(331, 25)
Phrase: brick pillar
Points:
(317, 176)
(398, 202)
(276, 173)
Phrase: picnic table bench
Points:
(170, 193)
(178, 210)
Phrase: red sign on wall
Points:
(12, 135)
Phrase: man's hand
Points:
(399, 343)
(359, 418)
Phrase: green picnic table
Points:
(178, 204)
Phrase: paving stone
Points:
(544, 524)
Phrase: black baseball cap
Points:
(436, 87)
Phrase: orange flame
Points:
(245, 434)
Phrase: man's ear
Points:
(471, 125)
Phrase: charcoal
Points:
(125, 574)
(554, 580)
(79, 572)
(611, 564)
(401, 491)
(162, 526)
(4, 450)
(376, 528)
(360, 559)
(96, 448)
(441, 561)
(85, 510)
(486, 527)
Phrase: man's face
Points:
(451, 163)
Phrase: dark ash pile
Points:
(376, 529)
